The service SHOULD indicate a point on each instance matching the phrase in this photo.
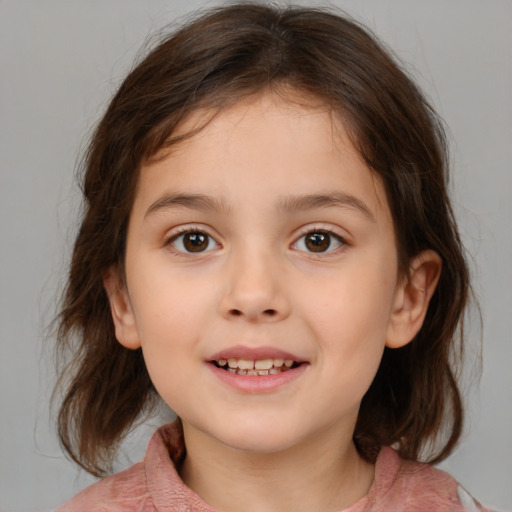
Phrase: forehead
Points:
(280, 102)
(294, 145)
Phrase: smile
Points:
(256, 369)
(259, 367)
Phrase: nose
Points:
(255, 289)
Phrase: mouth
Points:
(256, 367)
(255, 370)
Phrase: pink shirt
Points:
(155, 486)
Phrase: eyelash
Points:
(340, 241)
(185, 231)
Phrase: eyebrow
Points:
(190, 201)
(288, 204)
(312, 201)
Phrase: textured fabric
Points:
(155, 486)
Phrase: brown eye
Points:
(318, 241)
(193, 241)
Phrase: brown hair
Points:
(214, 61)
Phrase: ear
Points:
(122, 314)
(412, 298)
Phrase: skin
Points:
(257, 283)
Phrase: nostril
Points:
(266, 312)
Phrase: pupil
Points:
(195, 242)
(318, 242)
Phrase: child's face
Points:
(263, 237)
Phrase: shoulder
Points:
(148, 486)
(415, 486)
(123, 492)
(129, 490)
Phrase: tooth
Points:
(278, 363)
(263, 372)
(241, 372)
(232, 370)
(222, 362)
(245, 364)
(264, 364)
(233, 363)
(274, 371)
(288, 363)
(252, 372)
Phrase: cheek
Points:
(168, 303)
(170, 319)
(352, 343)
(351, 306)
(349, 320)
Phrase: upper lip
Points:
(254, 353)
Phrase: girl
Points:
(268, 246)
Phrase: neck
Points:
(325, 473)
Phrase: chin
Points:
(258, 438)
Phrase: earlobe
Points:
(412, 298)
(121, 310)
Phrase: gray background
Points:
(60, 62)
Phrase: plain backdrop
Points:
(60, 62)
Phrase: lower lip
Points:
(257, 383)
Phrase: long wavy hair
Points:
(214, 61)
